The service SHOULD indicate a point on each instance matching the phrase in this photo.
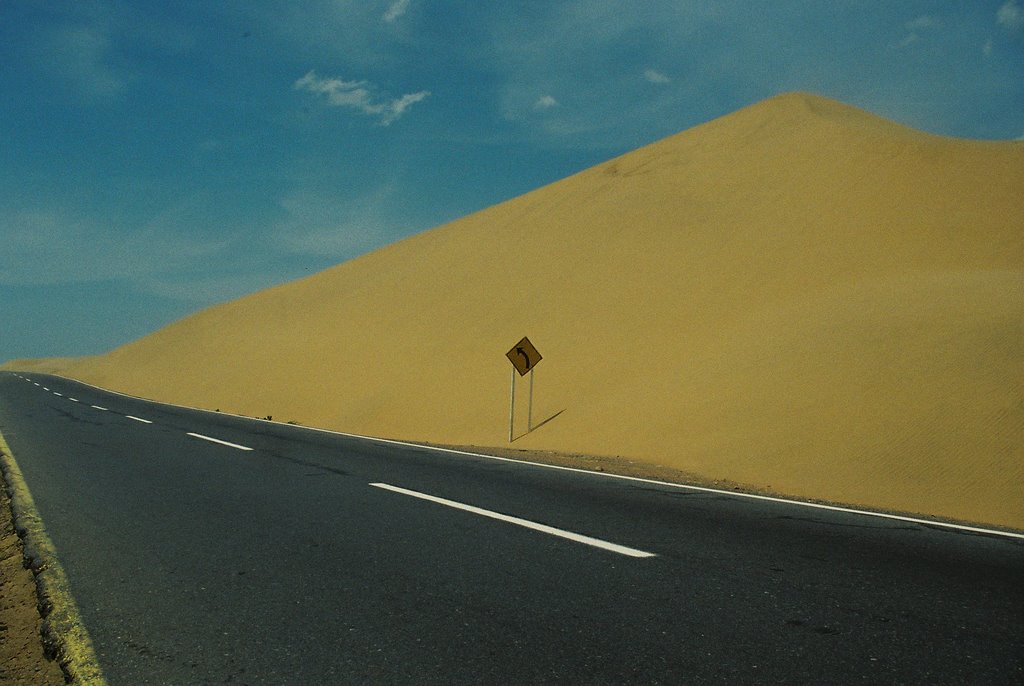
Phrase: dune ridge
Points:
(799, 296)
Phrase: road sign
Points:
(523, 356)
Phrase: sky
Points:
(160, 157)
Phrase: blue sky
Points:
(159, 157)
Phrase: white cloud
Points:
(398, 107)
(1010, 16)
(545, 102)
(653, 76)
(359, 95)
(396, 10)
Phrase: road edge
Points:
(64, 634)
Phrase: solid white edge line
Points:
(217, 440)
(607, 475)
(526, 523)
(138, 419)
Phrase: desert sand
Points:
(23, 657)
(800, 297)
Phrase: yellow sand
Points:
(799, 296)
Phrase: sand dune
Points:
(799, 296)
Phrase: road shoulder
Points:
(56, 630)
(23, 658)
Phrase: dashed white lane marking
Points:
(138, 419)
(45, 388)
(97, 407)
(562, 533)
(59, 395)
(217, 440)
(74, 400)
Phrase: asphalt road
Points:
(315, 558)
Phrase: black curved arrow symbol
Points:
(525, 356)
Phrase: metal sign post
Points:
(524, 357)
(529, 406)
(512, 411)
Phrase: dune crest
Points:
(798, 296)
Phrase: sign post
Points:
(512, 410)
(524, 357)
(529, 406)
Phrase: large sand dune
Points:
(799, 296)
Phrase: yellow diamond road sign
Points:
(523, 356)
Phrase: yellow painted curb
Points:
(63, 629)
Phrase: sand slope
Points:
(799, 296)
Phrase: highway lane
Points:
(197, 562)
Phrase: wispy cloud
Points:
(610, 65)
(396, 108)
(922, 23)
(81, 55)
(360, 96)
(396, 10)
(917, 27)
(909, 39)
(323, 225)
(545, 102)
(210, 286)
(653, 76)
(1010, 16)
(45, 246)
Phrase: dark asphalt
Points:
(197, 563)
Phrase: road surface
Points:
(204, 548)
